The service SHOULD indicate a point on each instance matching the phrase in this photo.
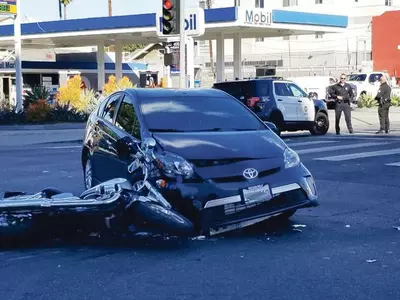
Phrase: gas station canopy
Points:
(142, 28)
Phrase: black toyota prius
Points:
(224, 167)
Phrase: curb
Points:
(59, 126)
(61, 142)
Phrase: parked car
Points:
(281, 102)
(367, 83)
(314, 84)
(222, 166)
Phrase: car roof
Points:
(172, 92)
(257, 79)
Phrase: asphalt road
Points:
(347, 248)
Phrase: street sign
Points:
(8, 7)
(194, 23)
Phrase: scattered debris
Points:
(371, 260)
(45, 171)
(299, 226)
(396, 227)
(347, 226)
(200, 237)
(327, 258)
(299, 230)
(241, 256)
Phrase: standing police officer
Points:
(342, 92)
(384, 100)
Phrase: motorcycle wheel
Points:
(162, 220)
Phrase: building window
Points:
(318, 1)
(260, 3)
(388, 2)
(290, 3)
(319, 35)
(260, 39)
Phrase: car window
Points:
(374, 77)
(194, 113)
(262, 88)
(127, 118)
(281, 89)
(296, 91)
(357, 77)
(111, 108)
(236, 89)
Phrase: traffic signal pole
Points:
(182, 46)
(18, 64)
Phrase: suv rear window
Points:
(244, 89)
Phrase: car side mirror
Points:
(125, 147)
(272, 126)
(148, 144)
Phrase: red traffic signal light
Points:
(168, 4)
(170, 17)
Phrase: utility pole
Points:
(182, 44)
(109, 8)
(211, 45)
(18, 64)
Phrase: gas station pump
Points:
(8, 90)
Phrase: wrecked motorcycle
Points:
(115, 206)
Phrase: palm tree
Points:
(109, 8)
(65, 3)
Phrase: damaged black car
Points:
(215, 161)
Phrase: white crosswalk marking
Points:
(359, 155)
(309, 143)
(396, 164)
(342, 147)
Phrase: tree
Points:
(133, 48)
(109, 8)
(65, 3)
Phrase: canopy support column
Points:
(118, 59)
(100, 66)
(220, 57)
(237, 56)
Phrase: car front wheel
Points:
(321, 124)
(88, 173)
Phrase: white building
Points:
(321, 54)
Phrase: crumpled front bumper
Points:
(230, 213)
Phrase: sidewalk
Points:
(366, 120)
(23, 135)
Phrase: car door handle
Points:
(279, 99)
(299, 100)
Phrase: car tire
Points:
(278, 121)
(321, 124)
(88, 172)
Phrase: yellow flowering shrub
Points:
(112, 85)
(72, 93)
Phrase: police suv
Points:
(281, 102)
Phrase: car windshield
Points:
(357, 77)
(193, 113)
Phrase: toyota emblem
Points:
(250, 173)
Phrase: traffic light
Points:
(170, 17)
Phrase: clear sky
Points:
(46, 10)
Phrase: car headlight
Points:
(172, 165)
(291, 158)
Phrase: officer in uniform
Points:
(384, 101)
(342, 92)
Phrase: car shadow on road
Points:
(143, 242)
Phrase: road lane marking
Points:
(396, 164)
(61, 147)
(310, 143)
(360, 155)
(342, 147)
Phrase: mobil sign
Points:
(258, 17)
(194, 22)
